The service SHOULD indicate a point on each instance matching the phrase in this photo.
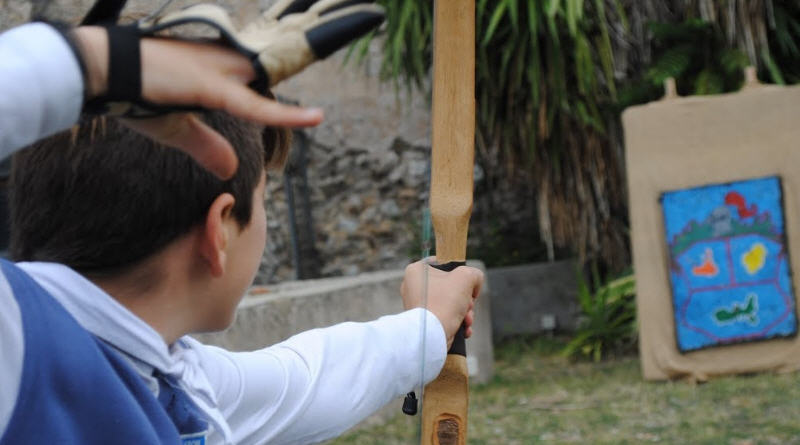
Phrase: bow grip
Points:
(459, 345)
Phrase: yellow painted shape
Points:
(753, 260)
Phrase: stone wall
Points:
(367, 171)
(15, 12)
(369, 177)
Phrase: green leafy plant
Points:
(545, 87)
(608, 322)
(695, 54)
(784, 36)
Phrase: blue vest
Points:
(77, 390)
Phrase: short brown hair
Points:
(102, 197)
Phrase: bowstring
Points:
(158, 10)
(426, 253)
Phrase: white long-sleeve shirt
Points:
(41, 86)
(309, 388)
(306, 389)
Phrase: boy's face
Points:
(244, 253)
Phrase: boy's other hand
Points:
(193, 74)
(450, 295)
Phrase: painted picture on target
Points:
(729, 265)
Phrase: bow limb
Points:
(445, 401)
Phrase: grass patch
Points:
(537, 396)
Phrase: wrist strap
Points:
(124, 69)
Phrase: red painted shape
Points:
(737, 200)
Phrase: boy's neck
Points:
(154, 307)
(158, 291)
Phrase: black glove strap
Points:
(125, 79)
(124, 69)
(124, 64)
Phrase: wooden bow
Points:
(445, 401)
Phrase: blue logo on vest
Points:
(194, 439)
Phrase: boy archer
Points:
(128, 247)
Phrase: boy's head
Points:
(102, 199)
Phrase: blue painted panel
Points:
(729, 267)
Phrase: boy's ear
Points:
(215, 233)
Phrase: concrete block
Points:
(527, 299)
(268, 315)
(480, 347)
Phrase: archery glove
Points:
(285, 39)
